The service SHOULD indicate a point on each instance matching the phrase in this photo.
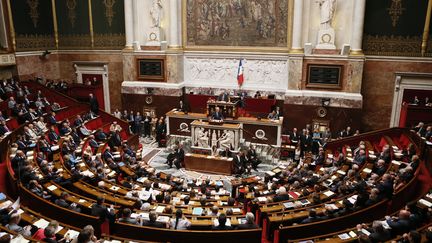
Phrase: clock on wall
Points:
(321, 112)
(149, 100)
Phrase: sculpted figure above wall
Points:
(237, 22)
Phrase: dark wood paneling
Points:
(300, 115)
(161, 104)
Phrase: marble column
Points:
(175, 24)
(357, 29)
(136, 24)
(297, 45)
(129, 20)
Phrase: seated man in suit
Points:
(100, 135)
(360, 159)
(312, 217)
(78, 121)
(250, 222)
(401, 224)
(127, 217)
(62, 202)
(377, 233)
(92, 142)
(217, 115)
(282, 195)
(65, 129)
(107, 154)
(152, 221)
(222, 220)
(84, 130)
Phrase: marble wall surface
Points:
(30, 66)
(60, 66)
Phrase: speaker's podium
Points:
(211, 137)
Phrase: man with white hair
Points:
(250, 222)
(282, 195)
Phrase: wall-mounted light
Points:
(45, 54)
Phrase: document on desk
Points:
(197, 211)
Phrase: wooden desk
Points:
(208, 164)
(261, 131)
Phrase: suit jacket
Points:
(53, 136)
(239, 161)
(101, 211)
(294, 136)
(108, 155)
(220, 227)
(78, 122)
(94, 104)
(223, 97)
(306, 140)
(52, 120)
(217, 116)
(399, 226)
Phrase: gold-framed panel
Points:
(153, 78)
(309, 84)
(238, 48)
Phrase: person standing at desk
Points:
(217, 115)
(224, 96)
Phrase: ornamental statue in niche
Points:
(326, 33)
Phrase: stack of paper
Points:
(159, 209)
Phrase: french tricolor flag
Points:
(240, 77)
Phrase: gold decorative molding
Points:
(55, 25)
(392, 45)
(358, 53)
(34, 42)
(426, 29)
(109, 12)
(91, 23)
(71, 5)
(11, 25)
(34, 14)
(395, 11)
(75, 42)
(109, 41)
(297, 51)
(290, 19)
